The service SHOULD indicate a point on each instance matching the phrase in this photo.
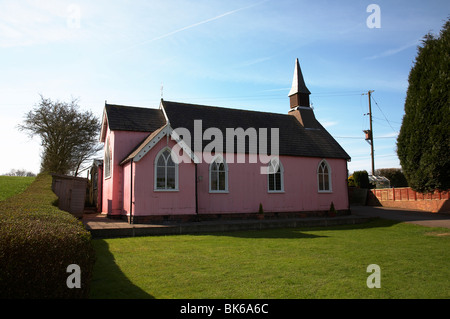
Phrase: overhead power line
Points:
(362, 138)
(384, 115)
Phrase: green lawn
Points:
(12, 185)
(286, 263)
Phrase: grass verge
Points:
(12, 185)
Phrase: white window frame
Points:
(107, 160)
(174, 159)
(269, 173)
(320, 175)
(218, 158)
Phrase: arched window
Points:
(107, 164)
(166, 171)
(324, 176)
(218, 175)
(275, 176)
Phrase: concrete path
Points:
(102, 227)
(408, 216)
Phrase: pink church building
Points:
(184, 162)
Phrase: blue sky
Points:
(237, 54)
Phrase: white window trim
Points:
(330, 190)
(107, 151)
(156, 169)
(219, 156)
(281, 176)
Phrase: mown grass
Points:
(283, 263)
(12, 185)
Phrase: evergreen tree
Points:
(423, 144)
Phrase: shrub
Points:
(361, 179)
(394, 175)
(351, 181)
(332, 212)
(37, 244)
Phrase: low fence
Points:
(437, 201)
(71, 192)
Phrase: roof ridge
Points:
(130, 106)
(226, 108)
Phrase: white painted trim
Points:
(330, 190)
(150, 144)
(107, 150)
(155, 168)
(166, 131)
(187, 150)
(104, 126)
(161, 106)
(301, 108)
(218, 156)
(281, 176)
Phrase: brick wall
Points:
(409, 199)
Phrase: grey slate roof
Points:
(129, 118)
(294, 139)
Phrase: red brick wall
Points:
(407, 198)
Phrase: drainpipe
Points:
(131, 193)
(196, 194)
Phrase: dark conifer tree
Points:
(423, 144)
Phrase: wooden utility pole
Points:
(371, 133)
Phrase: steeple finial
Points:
(299, 93)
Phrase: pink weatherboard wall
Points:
(148, 201)
(247, 187)
(121, 143)
(130, 190)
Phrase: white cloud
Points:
(328, 124)
(388, 135)
(393, 51)
(253, 62)
(25, 23)
(168, 34)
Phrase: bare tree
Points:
(68, 136)
(20, 172)
(83, 155)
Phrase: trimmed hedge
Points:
(361, 179)
(38, 242)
